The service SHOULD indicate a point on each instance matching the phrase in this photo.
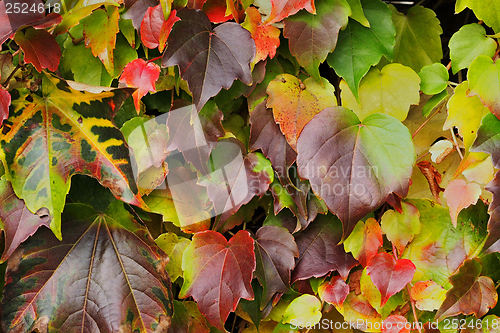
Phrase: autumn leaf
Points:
(40, 48)
(356, 307)
(389, 275)
(364, 241)
(312, 36)
(400, 228)
(16, 221)
(174, 246)
(372, 294)
(216, 11)
(60, 133)
(4, 105)
(142, 75)
(209, 59)
(266, 37)
(217, 273)
(460, 195)
(275, 253)
(428, 295)
(334, 291)
(492, 244)
(484, 82)
(304, 309)
(471, 293)
(488, 138)
(433, 178)
(395, 324)
(295, 103)
(283, 8)
(155, 29)
(320, 251)
(332, 155)
(137, 10)
(96, 246)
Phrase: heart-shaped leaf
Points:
(174, 246)
(389, 275)
(40, 48)
(488, 138)
(484, 81)
(460, 195)
(63, 132)
(107, 274)
(428, 295)
(334, 291)
(485, 10)
(400, 228)
(142, 75)
(434, 78)
(209, 59)
(217, 273)
(305, 309)
(364, 241)
(354, 166)
(155, 29)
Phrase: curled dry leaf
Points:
(433, 178)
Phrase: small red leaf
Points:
(395, 324)
(216, 11)
(40, 48)
(140, 74)
(4, 105)
(334, 291)
(155, 29)
(217, 273)
(283, 8)
(460, 195)
(389, 275)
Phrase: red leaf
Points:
(40, 48)
(4, 105)
(334, 291)
(140, 74)
(266, 37)
(395, 324)
(460, 195)
(137, 11)
(155, 29)
(217, 273)
(283, 8)
(389, 275)
(364, 241)
(196, 4)
(216, 11)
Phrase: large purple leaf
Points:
(354, 166)
(209, 59)
(16, 221)
(320, 251)
(107, 275)
(275, 250)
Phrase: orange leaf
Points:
(266, 37)
(140, 74)
(460, 195)
(396, 324)
(433, 178)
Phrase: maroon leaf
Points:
(320, 251)
(389, 275)
(155, 28)
(217, 273)
(107, 275)
(492, 243)
(209, 59)
(195, 139)
(275, 250)
(334, 291)
(4, 105)
(40, 48)
(471, 293)
(16, 221)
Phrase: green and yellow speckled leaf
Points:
(61, 133)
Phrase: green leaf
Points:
(174, 247)
(357, 12)
(58, 134)
(401, 228)
(303, 311)
(354, 166)
(484, 81)
(391, 91)
(107, 269)
(434, 78)
(312, 36)
(488, 138)
(468, 43)
(359, 48)
(417, 38)
(485, 10)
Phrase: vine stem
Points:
(428, 119)
(151, 60)
(456, 144)
(6, 83)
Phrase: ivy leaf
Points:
(434, 78)
(334, 291)
(16, 221)
(485, 10)
(488, 138)
(320, 251)
(359, 48)
(283, 8)
(275, 250)
(390, 91)
(357, 12)
(468, 43)
(73, 276)
(389, 275)
(217, 273)
(401, 228)
(61, 133)
(137, 10)
(155, 29)
(465, 113)
(304, 309)
(395, 324)
(417, 37)
(100, 29)
(428, 295)
(348, 162)
(492, 244)
(356, 307)
(142, 75)
(364, 241)
(209, 59)
(295, 103)
(460, 195)
(471, 293)
(371, 293)
(174, 247)
(312, 36)
(5, 100)
(40, 48)
(266, 37)
(484, 82)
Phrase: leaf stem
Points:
(428, 119)
(413, 310)
(154, 59)
(448, 66)
(6, 83)
(74, 40)
(456, 144)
